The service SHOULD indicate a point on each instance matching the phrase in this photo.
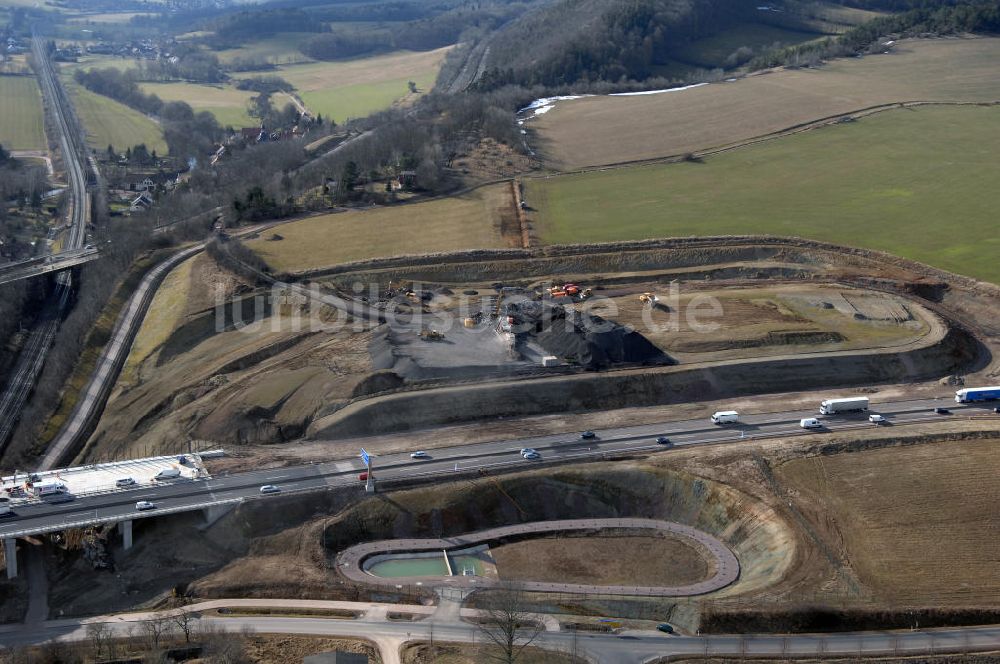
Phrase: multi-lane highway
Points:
(446, 462)
(32, 358)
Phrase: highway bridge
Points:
(34, 267)
(444, 464)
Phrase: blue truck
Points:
(977, 394)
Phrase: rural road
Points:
(446, 463)
(628, 647)
(727, 567)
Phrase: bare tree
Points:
(99, 635)
(506, 624)
(185, 620)
(155, 629)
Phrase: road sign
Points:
(364, 457)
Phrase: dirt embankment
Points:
(809, 519)
(403, 411)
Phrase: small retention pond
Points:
(469, 562)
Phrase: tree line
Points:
(424, 34)
(188, 134)
(982, 16)
(571, 42)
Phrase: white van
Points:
(810, 423)
(168, 474)
(726, 417)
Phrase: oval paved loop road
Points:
(727, 567)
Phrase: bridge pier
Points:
(215, 512)
(10, 553)
(126, 528)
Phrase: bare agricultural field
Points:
(759, 322)
(607, 560)
(613, 129)
(21, 126)
(917, 523)
(469, 221)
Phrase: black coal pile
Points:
(586, 339)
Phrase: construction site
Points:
(508, 344)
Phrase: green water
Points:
(398, 567)
(409, 567)
(459, 563)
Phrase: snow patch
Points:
(546, 104)
(656, 92)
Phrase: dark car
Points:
(662, 440)
(587, 435)
(942, 411)
(997, 410)
(666, 628)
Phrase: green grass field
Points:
(21, 119)
(282, 48)
(356, 88)
(713, 51)
(357, 101)
(109, 122)
(917, 183)
(470, 221)
(225, 102)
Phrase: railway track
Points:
(29, 363)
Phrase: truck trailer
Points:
(847, 405)
(971, 394)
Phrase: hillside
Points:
(579, 42)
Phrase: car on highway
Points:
(662, 440)
(124, 482)
(588, 435)
(144, 505)
(997, 410)
(875, 418)
(270, 488)
(942, 411)
(666, 628)
(532, 456)
(419, 454)
(810, 423)
(168, 474)
(528, 450)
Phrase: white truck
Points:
(726, 417)
(49, 488)
(846, 405)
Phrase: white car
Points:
(875, 418)
(810, 423)
(144, 505)
(528, 450)
(269, 488)
(531, 456)
(420, 454)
